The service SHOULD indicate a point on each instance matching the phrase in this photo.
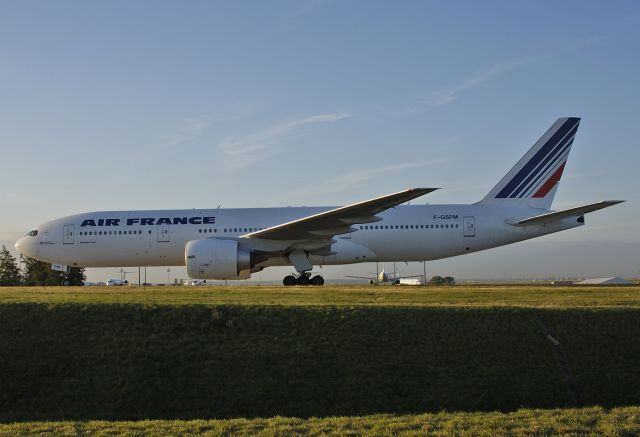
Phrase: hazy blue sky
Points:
(136, 105)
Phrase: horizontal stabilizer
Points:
(557, 215)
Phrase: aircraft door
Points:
(67, 234)
(163, 234)
(469, 226)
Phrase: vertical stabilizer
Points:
(534, 179)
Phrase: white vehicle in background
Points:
(117, 282)
(196, 282)
(412, 281)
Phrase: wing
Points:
(557, 215)
(337, 221)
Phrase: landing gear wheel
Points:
(289, 280)
(317, 280)
(303, 280)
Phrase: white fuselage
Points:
(158, 238)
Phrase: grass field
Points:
(522, 296)
(571, 422)
(383, 356)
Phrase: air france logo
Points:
(150, 221)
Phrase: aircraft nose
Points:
(23, 246)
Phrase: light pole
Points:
(168, 275)
(424, 272)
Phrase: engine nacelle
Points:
(214, 258)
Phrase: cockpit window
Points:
(32, 233)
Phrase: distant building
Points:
(605, 281)
(562, 282)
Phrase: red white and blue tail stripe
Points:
(534, 179)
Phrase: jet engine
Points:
(214, 258)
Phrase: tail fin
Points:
(534, 179)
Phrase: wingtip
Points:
(428, 190)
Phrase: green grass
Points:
(387, 296)
(382, 356)
(583, 422)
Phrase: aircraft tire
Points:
(303, 280)
(289, 280)
(317, 280)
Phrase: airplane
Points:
(383, 277)
(230, 244)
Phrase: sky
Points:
(125, 105)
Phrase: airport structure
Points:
(234, 243)
(605, 281)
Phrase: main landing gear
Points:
(303, 279)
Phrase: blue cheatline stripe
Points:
(535, 175)
(551, 156)
(533, 162)
(544, 175)
(530, 167)
(558, 156)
